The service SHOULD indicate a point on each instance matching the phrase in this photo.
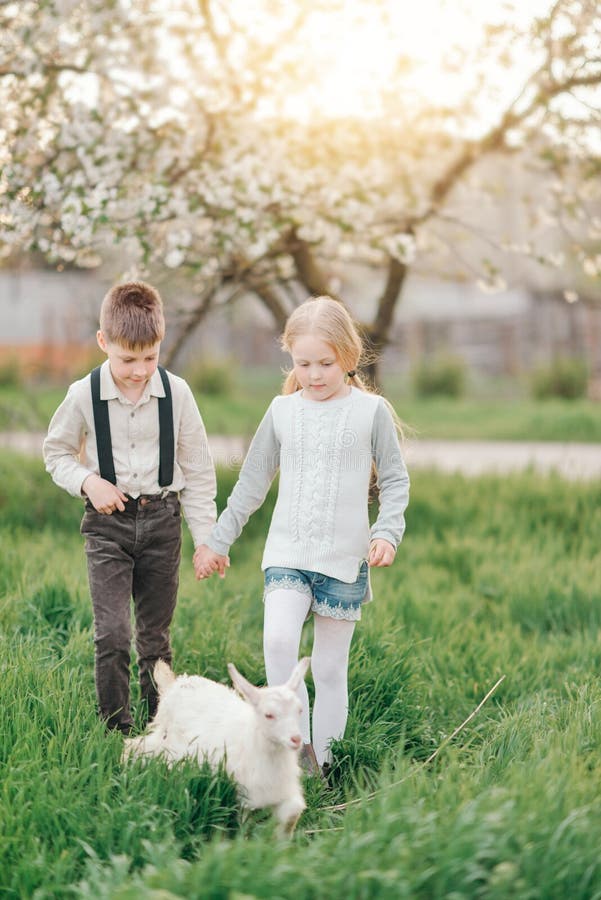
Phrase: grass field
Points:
(490, 410)
(496, 577)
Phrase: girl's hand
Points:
(381, 553)
(206, 561)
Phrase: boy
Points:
(129, 438)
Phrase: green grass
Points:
(493, 411)
(502, 419)
(496, 576)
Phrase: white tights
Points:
(285, 614)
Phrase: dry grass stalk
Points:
(341, 806)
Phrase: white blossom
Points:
(493, 285)
(160, 146)
(401, 247)
(592, 266)
(174, 258)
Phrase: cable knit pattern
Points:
(317, 475)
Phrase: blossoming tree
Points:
(252, 143)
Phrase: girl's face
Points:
(317, 368)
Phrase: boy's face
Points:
(131, 369)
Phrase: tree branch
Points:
(308, 271)
(189, 325)
(47, 67)
(495, 138)
(265, 290)
(472, 152)
(380, 328)
(220, 47)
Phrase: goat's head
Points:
(278, 709)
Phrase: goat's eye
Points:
(269, 716)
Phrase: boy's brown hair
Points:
(131, 314)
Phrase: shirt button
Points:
(135, 476)
(132, 446)
(132, 415)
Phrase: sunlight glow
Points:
(354, 59)
(346, 58)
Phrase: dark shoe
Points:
(124, 728)
(308, 761)
(326, 769)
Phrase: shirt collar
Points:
(110, 391)
(108, 388)
(155, 385)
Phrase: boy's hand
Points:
(104, 496)
(381, 553)
(206, 561)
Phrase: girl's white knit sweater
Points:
(324, 452)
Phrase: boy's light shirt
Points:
(70, 452)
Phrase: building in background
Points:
(48, 322)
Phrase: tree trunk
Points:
(269, 296)
(377, 335)
(187, 327)
(307, 270)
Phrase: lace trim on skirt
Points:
(350, 613)
(287, 582)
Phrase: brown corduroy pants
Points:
(131, 555)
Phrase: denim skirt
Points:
(329, 596)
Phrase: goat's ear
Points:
(298, 673)
(163, 675)
(244, 687)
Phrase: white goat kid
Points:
(258, 736)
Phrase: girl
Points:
(324, 433)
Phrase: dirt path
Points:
(570, 460)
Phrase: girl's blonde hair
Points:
(330, 320)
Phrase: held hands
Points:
(206, 561)
(104, 496)
(381, 553)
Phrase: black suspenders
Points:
(167, 441)
(103, 431)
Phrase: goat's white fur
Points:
(256, 732)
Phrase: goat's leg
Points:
(288, 813)
(141, 746)
(133, 747)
